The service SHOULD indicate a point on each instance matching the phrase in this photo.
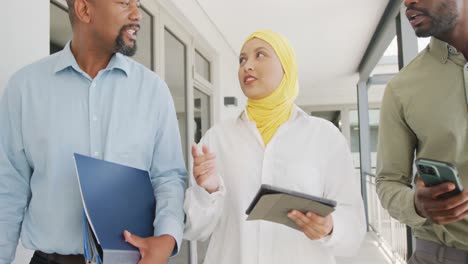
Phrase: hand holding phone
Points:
(435, 172)
(439, 195)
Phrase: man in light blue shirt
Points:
(91, 99)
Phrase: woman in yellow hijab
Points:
(269, 104)
(272, 142)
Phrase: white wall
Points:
(25, 39)
(25, 35)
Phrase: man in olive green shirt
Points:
(425, 115)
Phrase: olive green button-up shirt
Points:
(424, 115)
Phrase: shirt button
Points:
(93, 85)
(96, 153)
(95, 118)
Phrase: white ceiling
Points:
(330, 37)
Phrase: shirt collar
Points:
(442, 50)
(120, 62)
(67, 59)
(296, 112)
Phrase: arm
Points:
(15, 173)
(168, 173)
(397, 143)
(203, 205)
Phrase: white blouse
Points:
(306, 154)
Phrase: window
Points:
(60, 27)
(202, 66)
(144, 54)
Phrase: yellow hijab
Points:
(271, 112)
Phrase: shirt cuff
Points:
(345, 240)
(206, 199)
(409, 211)
(331, 239)
(170, 226)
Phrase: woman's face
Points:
(260, 70)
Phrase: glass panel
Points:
(144, 54)
(202, 66)
(175, 76)
(392, 49)
(60, 28)
(383, 71)
(374, 118)
(201, 114)
(175, 71)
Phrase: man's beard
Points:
(443, 21)
(121, 46)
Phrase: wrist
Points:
(166, 245)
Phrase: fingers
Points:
(424, 194)
(441, 211)
(451, 213)
(205, 149)
(199, 159)
(134, 240)
(316, 218)
(419, 182)
(313, 225)
(202, 163)
(441, 189)
(449, 220)
(299, 218)
(447, 204)
(194, 150)
(434, 191)
(195, 154)
(205, 167)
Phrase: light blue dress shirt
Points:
(51, 109)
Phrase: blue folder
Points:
(115, 198)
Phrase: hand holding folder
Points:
(115, 198)
(154, 250)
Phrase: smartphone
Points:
(434, 172)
